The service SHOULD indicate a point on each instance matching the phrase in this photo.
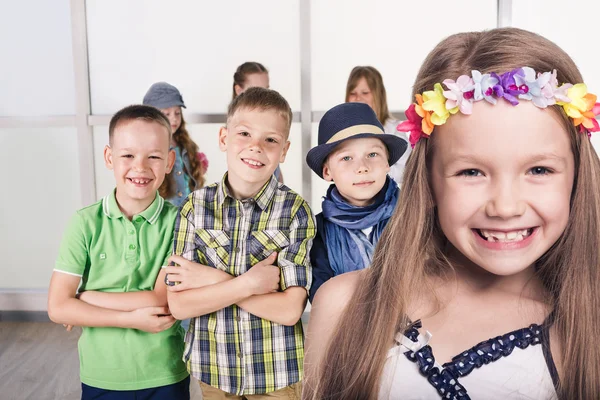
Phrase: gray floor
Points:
(38, 361)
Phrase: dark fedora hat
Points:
(351, 121)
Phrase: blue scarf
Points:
(348, 248)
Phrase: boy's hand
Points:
(152, 319)
(189, 275)
(263, 277)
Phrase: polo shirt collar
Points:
(263, 198)
(111, 208)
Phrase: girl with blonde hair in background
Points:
(502, 202)
(365, 85)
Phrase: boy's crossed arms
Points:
(203, 289)
(144, 310)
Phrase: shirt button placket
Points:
(245, 345)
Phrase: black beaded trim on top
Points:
(445, 380)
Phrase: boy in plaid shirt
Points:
(242, 245)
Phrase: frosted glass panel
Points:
(571, 31)
(193, 45)
(392, 36)
(37, 59)
(40, 194)
(105, 180)
(319, 186)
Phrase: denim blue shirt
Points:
(181, 177)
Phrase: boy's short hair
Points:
(138, 111)
(262, 99)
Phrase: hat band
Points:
(355, 130)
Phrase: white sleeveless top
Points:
(517, 365)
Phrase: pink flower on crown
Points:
(460, 94)
(550, 90)
(418, 122)
(560, 93)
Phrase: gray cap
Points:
(162, 95)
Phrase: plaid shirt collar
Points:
(263, 198)
(111, 208)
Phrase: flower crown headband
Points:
(434, 107)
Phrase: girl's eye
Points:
(470, 172)
(271, 140)
(374, 154)
(244, 133)
(127, 156)
(155, 158)
(539, 171)
(346, 158)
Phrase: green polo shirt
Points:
(113, 254)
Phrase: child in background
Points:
(249, 238)
(355, 154)
(501, 207)
(249, 74)
(190, 165)
(130, 346)
(252, 74)
(365, 85)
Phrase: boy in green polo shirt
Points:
(130, 344)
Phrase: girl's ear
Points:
(238, 89)
(108, 157)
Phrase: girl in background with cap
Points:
(252, 74)
(355, 155)
(365, 85)
(190, 166)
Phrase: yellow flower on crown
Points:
(434, 101)
(581, 105)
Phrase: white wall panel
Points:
(40, 193)
(573, 26)
(194, 45)
(36, 68)
(392, 36)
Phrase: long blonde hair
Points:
(183, 140)
(375, 82)
(569, 270)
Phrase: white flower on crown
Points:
(552, 90)
(483, 86)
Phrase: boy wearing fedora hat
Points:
(355, 154)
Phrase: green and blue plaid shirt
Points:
(232, 349)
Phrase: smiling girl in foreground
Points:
(495, 235)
